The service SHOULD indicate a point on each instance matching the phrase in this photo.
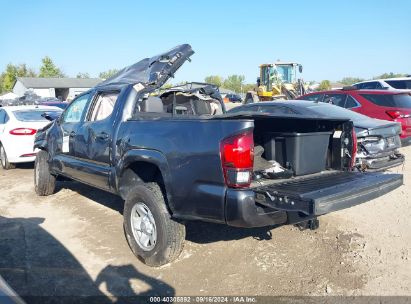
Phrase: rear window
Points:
(276, 110)
(400, 84)
(390, 100)
(34, 115)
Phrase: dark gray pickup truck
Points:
(175, 155)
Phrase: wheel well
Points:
(140, 172)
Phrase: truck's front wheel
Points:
(153, 236)
(44, 181)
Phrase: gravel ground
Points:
(72, 243)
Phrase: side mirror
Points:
(300, 68)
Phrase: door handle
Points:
(102, 135)
(72, 134)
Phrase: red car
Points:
(381, 104)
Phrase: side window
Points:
(314, 97)
(369, 85)
(75, 110)
(351, 103)
(335, 99)
(103, 106)
(378, 85)
(399, 84)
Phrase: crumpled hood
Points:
(154, 71)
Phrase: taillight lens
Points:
(23, 131)
(394, 114)
(237, 160)
(354, 148)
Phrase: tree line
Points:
(48, 69)
(234, 83)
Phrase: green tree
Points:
(108, 74)
(389, 75)
(350, 80)
(249, 87)
(8, 77)
(83, 75)
(1, 83)
(234, 83)
(214, 79)
(324, 85)
(49, 69)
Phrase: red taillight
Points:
(23, 131)
(28, 155)
(394, 114)
(237, 159)
(354, 148)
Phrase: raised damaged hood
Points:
(154, 71)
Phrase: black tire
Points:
(4, 160)
(44, 181)
(170, 234)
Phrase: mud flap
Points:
(328, 192)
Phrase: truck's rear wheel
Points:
(153, 236)
(44, 181)
(4, 160)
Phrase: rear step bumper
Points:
(379, 165)
(304, 198)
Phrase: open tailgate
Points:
(326, 192)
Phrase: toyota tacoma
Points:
(174, 155)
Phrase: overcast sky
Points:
(332, 39)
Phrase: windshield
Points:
(390, 100)
(337, 112)
(286, 73)
(30, 115)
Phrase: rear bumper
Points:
(23, 157)
(26, 159)
(242, 211)
(304, 198)
(20, 149)
(384, 163)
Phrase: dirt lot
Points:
(72, 243)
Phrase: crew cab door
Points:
(93, 140)
(63, 144)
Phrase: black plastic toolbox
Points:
(304, 153)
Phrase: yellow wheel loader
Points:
(277, 81)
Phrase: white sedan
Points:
(18, 126)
